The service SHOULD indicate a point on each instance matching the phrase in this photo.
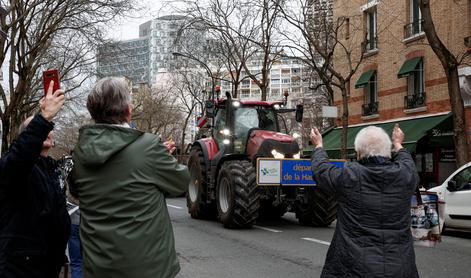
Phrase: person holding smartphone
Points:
(34, 222)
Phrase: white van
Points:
(456, 192)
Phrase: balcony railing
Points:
(413, 28)
(369, 109)
(415, 101)
(370, 45)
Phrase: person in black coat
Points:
(34, 223)
(372, 236)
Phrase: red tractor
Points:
(222, 168)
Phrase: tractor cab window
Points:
(220, 124)
(253, 117)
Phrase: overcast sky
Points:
(128, 28)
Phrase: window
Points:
(463, 180)
(245, 83)
(285, 81)
(245, 94)
(275, 81)
(275, 92)
(415, 20)
(371, 29)
(295, 71)
(415, 87)
(256, 94)
(371, 96)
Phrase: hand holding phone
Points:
(48, 76)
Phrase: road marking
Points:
(267, 229)
(175, 207)
(316, 240)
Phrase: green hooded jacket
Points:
(122, 176)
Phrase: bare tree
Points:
(44, 34)
(246, 32)
(318, 40)
(450, 62)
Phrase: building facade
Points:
(140, 60)
(401, 80)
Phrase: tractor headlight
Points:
(297, 156)
(225, 132)
(226, 141)
(236, 104)
(277, 155)
(296, 135)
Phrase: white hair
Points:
(373, 141)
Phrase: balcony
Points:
(370, 45)
(415, 101)
(369, 109)
(413, 29)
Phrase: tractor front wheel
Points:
(237, 195)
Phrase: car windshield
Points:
(254, 117)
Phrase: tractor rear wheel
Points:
(237, 194)
(196, 197)
(320, 209)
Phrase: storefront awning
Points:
(408, 67)
(414, 130)
(364, 79)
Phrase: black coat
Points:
(34, 223)
(372, 237)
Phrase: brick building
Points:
(401, 80)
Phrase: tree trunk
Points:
(450, 66)
(460, 137)
(263, 90)
(343, 141)
(5, 132)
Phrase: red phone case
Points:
(48, 76)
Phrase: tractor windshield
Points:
(254, 117)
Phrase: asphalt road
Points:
(285, 249)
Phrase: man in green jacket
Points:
(123, 176)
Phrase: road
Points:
(283, 248)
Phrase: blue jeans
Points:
(75, 255)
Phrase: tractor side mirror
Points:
(451, 185)
(210, 109)
(299, 113)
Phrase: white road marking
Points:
(175, 207)
(316, 240)
(267, 229)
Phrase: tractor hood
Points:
(262, 142)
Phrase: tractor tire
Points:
(320, 210)
(268, 211)
(198, 208)
(237, 195)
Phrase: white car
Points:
(456, 192)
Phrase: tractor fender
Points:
(209, 147)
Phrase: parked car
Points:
(456, 192)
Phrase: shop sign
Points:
(447, 155)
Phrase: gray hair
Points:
(373, 141)
(109, 100)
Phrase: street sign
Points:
(201, 121)
(329, 111)
(287, 172)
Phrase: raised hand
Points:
(52, 102)
(397, 137)
(170, 145)
(316, 138)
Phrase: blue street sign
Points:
(287, 172)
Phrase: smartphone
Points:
(48, 76)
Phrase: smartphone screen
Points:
(48, 76)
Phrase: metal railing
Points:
(371, 108)
(415, 100)
(370, 45)
(413, 28)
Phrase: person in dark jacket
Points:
(372, 236)
(34, 223)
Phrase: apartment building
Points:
(141, 60)
(401, 80)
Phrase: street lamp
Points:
(208, 70)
